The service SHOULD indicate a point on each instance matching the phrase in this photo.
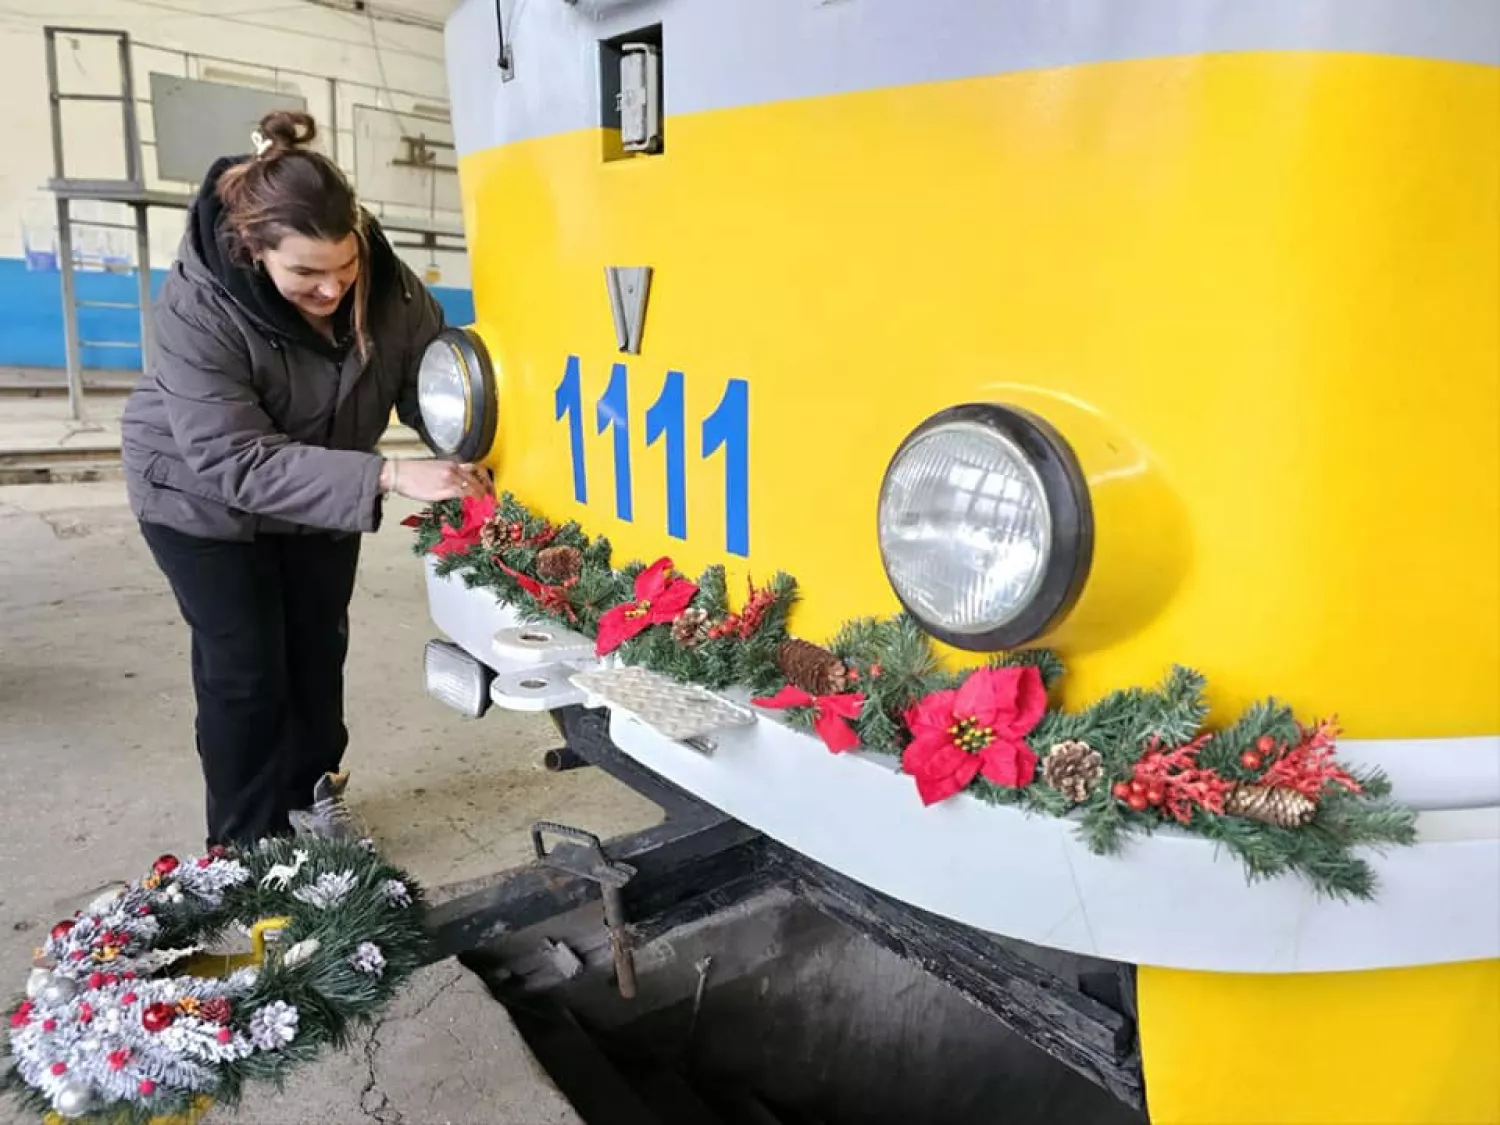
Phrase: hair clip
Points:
(261, 142)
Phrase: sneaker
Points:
(329, 818)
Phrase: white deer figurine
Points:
(282, 874)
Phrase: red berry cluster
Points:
(1172, 782)
(1265, 746)
(1140, 796)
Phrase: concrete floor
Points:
(100, 777)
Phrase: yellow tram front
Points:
(1215, 288)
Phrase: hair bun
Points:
(286, 131)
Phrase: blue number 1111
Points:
(726, 428)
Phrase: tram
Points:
(1207, 292)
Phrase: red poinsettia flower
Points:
(832, 714)
(980, 727)
(477, 511)
(659, 598)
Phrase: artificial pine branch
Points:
(894, 664)
(1044, 660)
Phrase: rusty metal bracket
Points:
(590, 862)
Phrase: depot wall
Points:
(280, 33)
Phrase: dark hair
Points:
(288, 189)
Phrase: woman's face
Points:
(312, 274)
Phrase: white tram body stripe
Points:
(724, 53)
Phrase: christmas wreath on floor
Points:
(1268, 788)
(115, 1028)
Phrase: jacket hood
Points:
(207, 250)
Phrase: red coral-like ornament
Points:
(1310, 766)
(1174, 777)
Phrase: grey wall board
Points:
(197, 122)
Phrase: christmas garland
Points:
(115, 1029)
(1267, 788)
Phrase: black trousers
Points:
(270, 630)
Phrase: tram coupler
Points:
(590, 862)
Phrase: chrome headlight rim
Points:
(481, 402)
(1071, 516)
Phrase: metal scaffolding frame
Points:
(135, 192)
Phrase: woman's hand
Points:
(433, 480)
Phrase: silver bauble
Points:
(35, 981)
(58, 991)
(74, 1099)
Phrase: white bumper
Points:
(1168, 899)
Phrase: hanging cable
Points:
(503, 59)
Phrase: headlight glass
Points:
(443, 395)
(965, 530)
(985, 525)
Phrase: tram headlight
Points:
(985, 527)
(456, 395)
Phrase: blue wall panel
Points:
(31, 321)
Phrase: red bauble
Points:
(59, 1068)
(77, 955)
(158, 1017)
(205, 862)
(62, 929)
(1265, 744)
(97, 980)
(147, 1087)
(165, 865)
(49, 1025)
(1121, 789)
(118, 1059)
(129, 998)
(85, 1013)
(1251, 759)
(225, 1035)
(1155, 795)
(219, 851)
(1138, 802)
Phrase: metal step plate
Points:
(682, 712)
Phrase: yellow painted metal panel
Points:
(1414, 1046)
(1259, 291)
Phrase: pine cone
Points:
(559, 564)
(1285, 808)
(497, 533)
(691, 628)
(1073, 769)
(813, 669)
(492, 536)
(215, 1010)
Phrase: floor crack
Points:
(374, 1102)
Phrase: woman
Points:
(284, 335)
